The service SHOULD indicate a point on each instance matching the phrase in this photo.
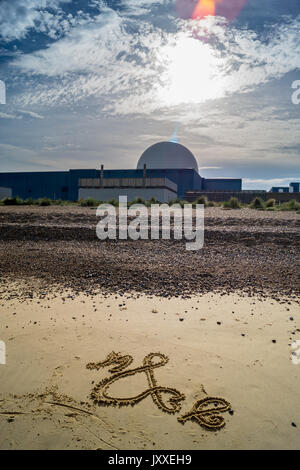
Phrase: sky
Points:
(91, 82)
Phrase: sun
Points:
(193, 72)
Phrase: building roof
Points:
(167, 155)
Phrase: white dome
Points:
(167, 155)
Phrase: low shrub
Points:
(89, 202)
(12, 201)
(44, 201)
(201, 200)
(113, 202)
(179, 201)
(233, 203)
(137, 200)
(291, 205)
(211, 204)
(29, 201)
(153, 200)
(271, 203)
(257, 203)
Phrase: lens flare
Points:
(204, 8)
(199, 9)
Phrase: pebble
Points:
(157, 267)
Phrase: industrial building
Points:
(165, 170)
(102, 189)
(292, 188)
(5, 192)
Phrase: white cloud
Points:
(210, 168)
(272, 181)
(19, 114)
(31, 114)
(9, 116)
(150, 69)
(18, 16)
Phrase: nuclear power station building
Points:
(165, 171)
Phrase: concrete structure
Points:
(102, 189)
(164, 160)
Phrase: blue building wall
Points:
(280, 189)
(52, 184)
(64, 184)
(219, 184)
(295, 187)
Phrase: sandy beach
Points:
(217, 346)
(223, 335)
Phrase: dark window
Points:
(64, 189)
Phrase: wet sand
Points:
(225, 317)
(230, 347)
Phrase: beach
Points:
(224, 319)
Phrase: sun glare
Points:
(199, 9)
(204, 8)
(193, 72)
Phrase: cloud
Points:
(9, 116)
(272, 181)
(19, 16)
(31, 114)
(20, 113)
(210, 168)
(132, 66)
(267, 184)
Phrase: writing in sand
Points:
(206, 412)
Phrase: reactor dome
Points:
(167, 155)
